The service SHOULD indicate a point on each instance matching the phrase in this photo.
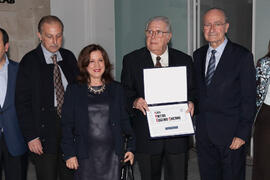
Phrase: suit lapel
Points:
(45, 83)
(147, 59)
(171, 58)
(82, 104)
(203, 55)
(10, 85)
(222, 65)
(40, 54)
(64, 67)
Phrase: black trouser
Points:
(151, 165)
(220, 162)
(51, 166)
(12, 165)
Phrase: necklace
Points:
(96, 91)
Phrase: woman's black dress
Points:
(103, 163)
(261, 159)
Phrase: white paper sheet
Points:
(169, 120)
(165, 85)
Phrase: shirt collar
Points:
(164, 55)
(48, 55)
(219, 49)
(6, 64)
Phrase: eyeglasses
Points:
(215, 25)
(157, 33)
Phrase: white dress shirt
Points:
(164, 61)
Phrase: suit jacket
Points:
(35, 97)
(75, 121)
(227, 105)
(132, 81)
(8, 117)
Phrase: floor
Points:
(193, 169)
(193, 172)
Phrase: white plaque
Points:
(163, 86)
(169, 120)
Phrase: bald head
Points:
(219, 11)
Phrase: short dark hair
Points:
(83, 62)
(49, 19)
(5, 36)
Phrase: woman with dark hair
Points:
(94, 120)
(261, 163)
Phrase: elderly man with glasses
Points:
(152, 153)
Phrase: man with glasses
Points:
(151, 153)
(226, 85)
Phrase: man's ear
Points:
(169, 37)
(227, 25)
(6, 47)
(39, 35)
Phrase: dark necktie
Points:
(158, 64)
(211, 68)
(59, 88)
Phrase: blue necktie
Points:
(211, 68)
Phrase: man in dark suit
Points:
(225, 76)
(12, 145)
(150, 153)
(42, 77)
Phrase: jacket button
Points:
(113, 124)
(42, 125)
(42, 109)
(43, 139)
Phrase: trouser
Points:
(51, 166)
(13, 165)
(175, 166)
(220, 162)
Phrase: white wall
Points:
(86, 22)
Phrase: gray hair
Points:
(160, 18)
(218, 9)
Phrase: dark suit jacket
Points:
(132, 81)
(75, 120)
(8, 117)
(35, 97)
(227, 106)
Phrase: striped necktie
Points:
(211, 68)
